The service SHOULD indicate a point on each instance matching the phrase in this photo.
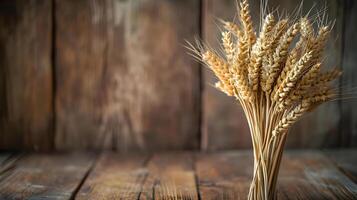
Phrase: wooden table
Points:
(174, 175)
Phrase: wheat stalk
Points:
(275, 80)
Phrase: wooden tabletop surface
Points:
(176, 175)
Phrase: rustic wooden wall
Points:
(349, 81)
(26, 96)
(113, 74)
(123, 79)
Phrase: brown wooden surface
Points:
(7, 161)
(224, 125)
(153, 89)
(118, 84)
(346, 160)
(44, 176)
(224, 175)
(174, 175)
(303, 175)
(4, 157)
(115, 176)
(25, 74)
(170, 176)
(349, 80)
(310, 175)
(80, 64)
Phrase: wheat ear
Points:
(279, 56)
(258, 51)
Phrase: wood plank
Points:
(118, 63)
(310, 175)
(224, 175)
(349, 82)
(224, 125)
(152, 85)
(7, 161)
(171, 176)
(346, 160)
(115, 177)
(303, 175)
(80, 64)
(4, 157)
(26, 111)
(43, 176)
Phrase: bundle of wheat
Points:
(275, 80)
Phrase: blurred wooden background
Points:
(113, 74)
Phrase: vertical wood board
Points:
(80, 64)
(152, 91)
(26, 103)
(123, 79)
(349, 82)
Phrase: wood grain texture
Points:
(310, 175)
(123, 78)
(7, 161)
(44, 176)
(4, 157)
(224, 175)
(26, 75)
(115, 177)
(346, 160)
(80, 64)
(175, 175)
(170, 176)
(303, 175)
(349, 81)
(224, 125)
(152, 86)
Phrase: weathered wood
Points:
(303, 175)
(224, 175)
(346, 160)
(349, 82)
(80, 64)
(171, 176)
(123, 78)
(7, 161)
(26, 75)
(43, 176)
(310, 175)
(152, 86)
(224, 125)
(4, 157)
(115, 177)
